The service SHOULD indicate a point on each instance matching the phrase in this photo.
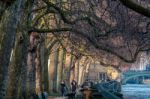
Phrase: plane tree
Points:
(107, 30)
(104, 25)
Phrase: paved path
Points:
(51, 97)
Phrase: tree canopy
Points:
(68, 34)
(98, 28)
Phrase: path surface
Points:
(57, 97)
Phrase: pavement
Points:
(51, 97)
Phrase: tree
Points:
(104, 30)
(8, 26)
(101, 25)
(136, 7)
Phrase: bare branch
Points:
(130, 4)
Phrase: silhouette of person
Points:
(73, 86)
(63, 85)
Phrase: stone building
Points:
(96, 72)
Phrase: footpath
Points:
(52, 97)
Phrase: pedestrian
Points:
(73, 86)
(63, 85)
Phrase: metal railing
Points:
(107, 89)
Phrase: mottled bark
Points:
(72, 69)
(44, 66)
(55, 70)
(30, 75)
(67, 67)
(63, 66)
(38, 70)
(51, 73)
(80, 74)
(85, 67)
(8, 28)
(44, 61)
(60, 68)
(23, 73)
(4, 4)
(2, 8)
(31, 65)
(47, 52)
(51, 70)
(81, 71)
(14, 90)
(77, 71)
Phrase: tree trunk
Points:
(72, 69)
(3, 7)
(31, 65)
(38, 70)
(46, 65)
(55, 71)
(23, 73)
(19, 54)
(51, 72)
(67, 69)
(8, 27)
(81, 70)
(77, 71)
(83, 77)
(60, 68)
(63, 66)
(45, 83)
(52, 68)
(30, 75)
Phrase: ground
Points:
(51, 97)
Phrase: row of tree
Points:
(104, 30)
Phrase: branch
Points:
(50, 30)
(51, 44)
(137, 8)
(90, 40)
(63, 13)
(114, 66)
(38, 9)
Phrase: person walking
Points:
(73, 86)
(63, 85)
